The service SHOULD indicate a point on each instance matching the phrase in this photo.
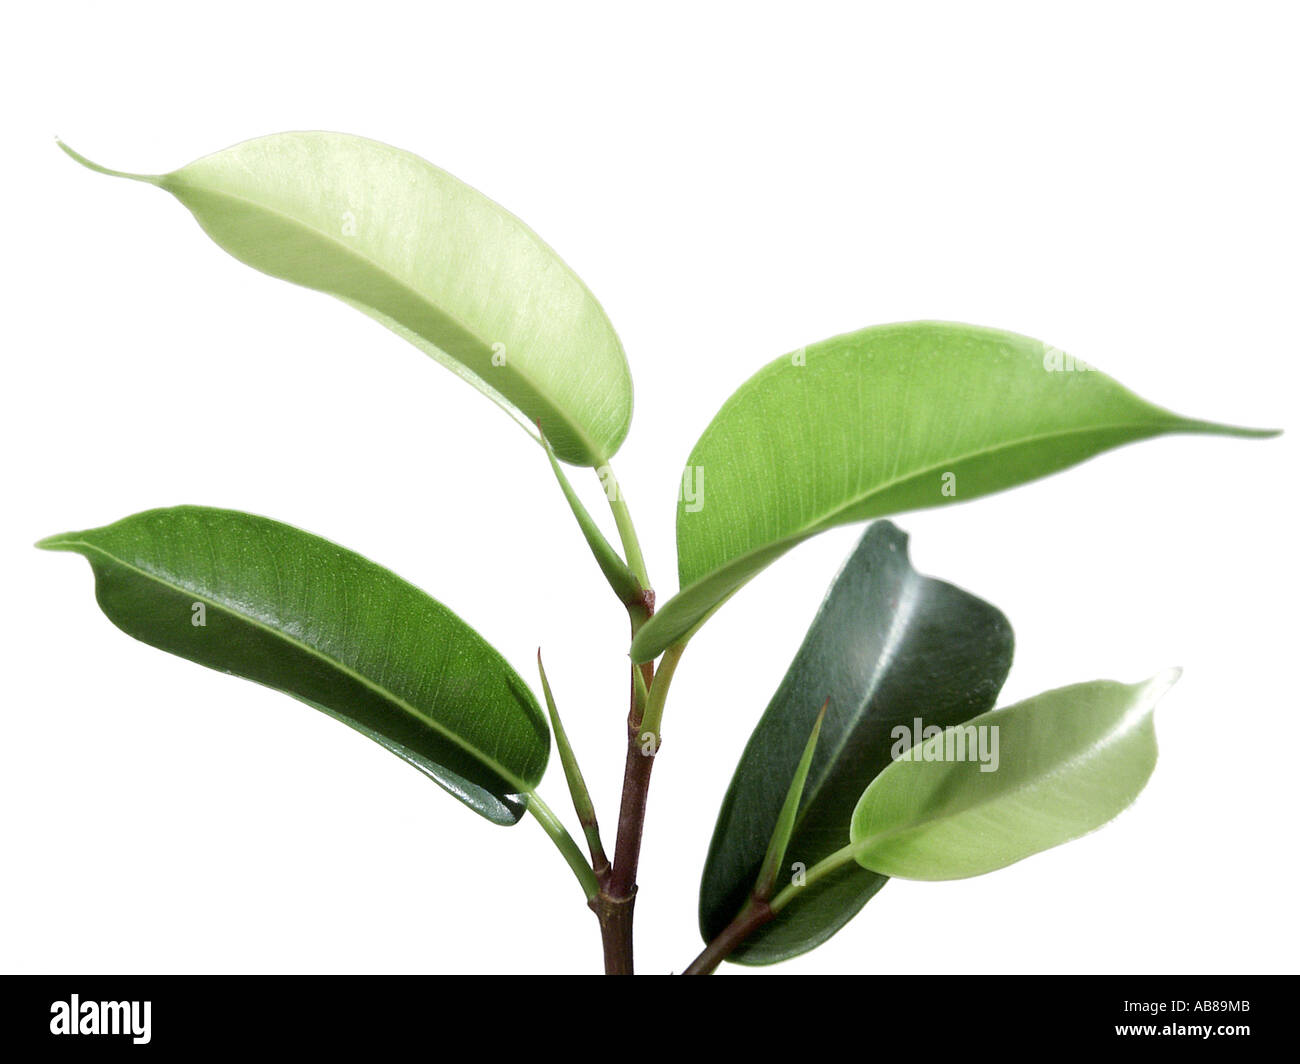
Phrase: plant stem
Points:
(614, 907)
(640, 693)
(643, 743)
(753, 916)
(615, 916)
(758, 912)
(626, 585)
(641, 605)
(565, 844)
(623, 519)
(615, 897)
(615, 902)
(637, 766)
(654, 712)
(818, 871)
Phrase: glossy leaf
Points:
(1066, 762)
(429, 257)
(888, 646)
(262, 600)
(877, 422)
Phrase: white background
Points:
(733, 182)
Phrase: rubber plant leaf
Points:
(426, 255)
(271, 603)
(1062, 765)
(889, 648)
(878, 422)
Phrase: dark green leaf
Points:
(300, 614)
(888, 646)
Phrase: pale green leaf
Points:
(1010, 783)
(426, 255)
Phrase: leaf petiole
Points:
(623, 519)
(758, 912)
(565, 844)
(819, 871)
(619, 577)
(652, 721)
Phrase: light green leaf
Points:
(426, 255)
(877, 422)
(262, 600)
(1064, 763)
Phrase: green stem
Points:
(623, 519)
(758, 912)
(820, 870)
(565, 844)
(640, 693)
(654, 710)
(629, 591)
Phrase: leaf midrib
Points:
(822, 523)
(347, 670)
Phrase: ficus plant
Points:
(881, 754)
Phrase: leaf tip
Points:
(821, 716)
(58, 542)
(1218, 428)
(89, 164)
(1248, 433)
(546, 687)
(1162, 681)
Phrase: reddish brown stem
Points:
(751, 918)
(637, 767)
(615, 916)
(614, 905)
